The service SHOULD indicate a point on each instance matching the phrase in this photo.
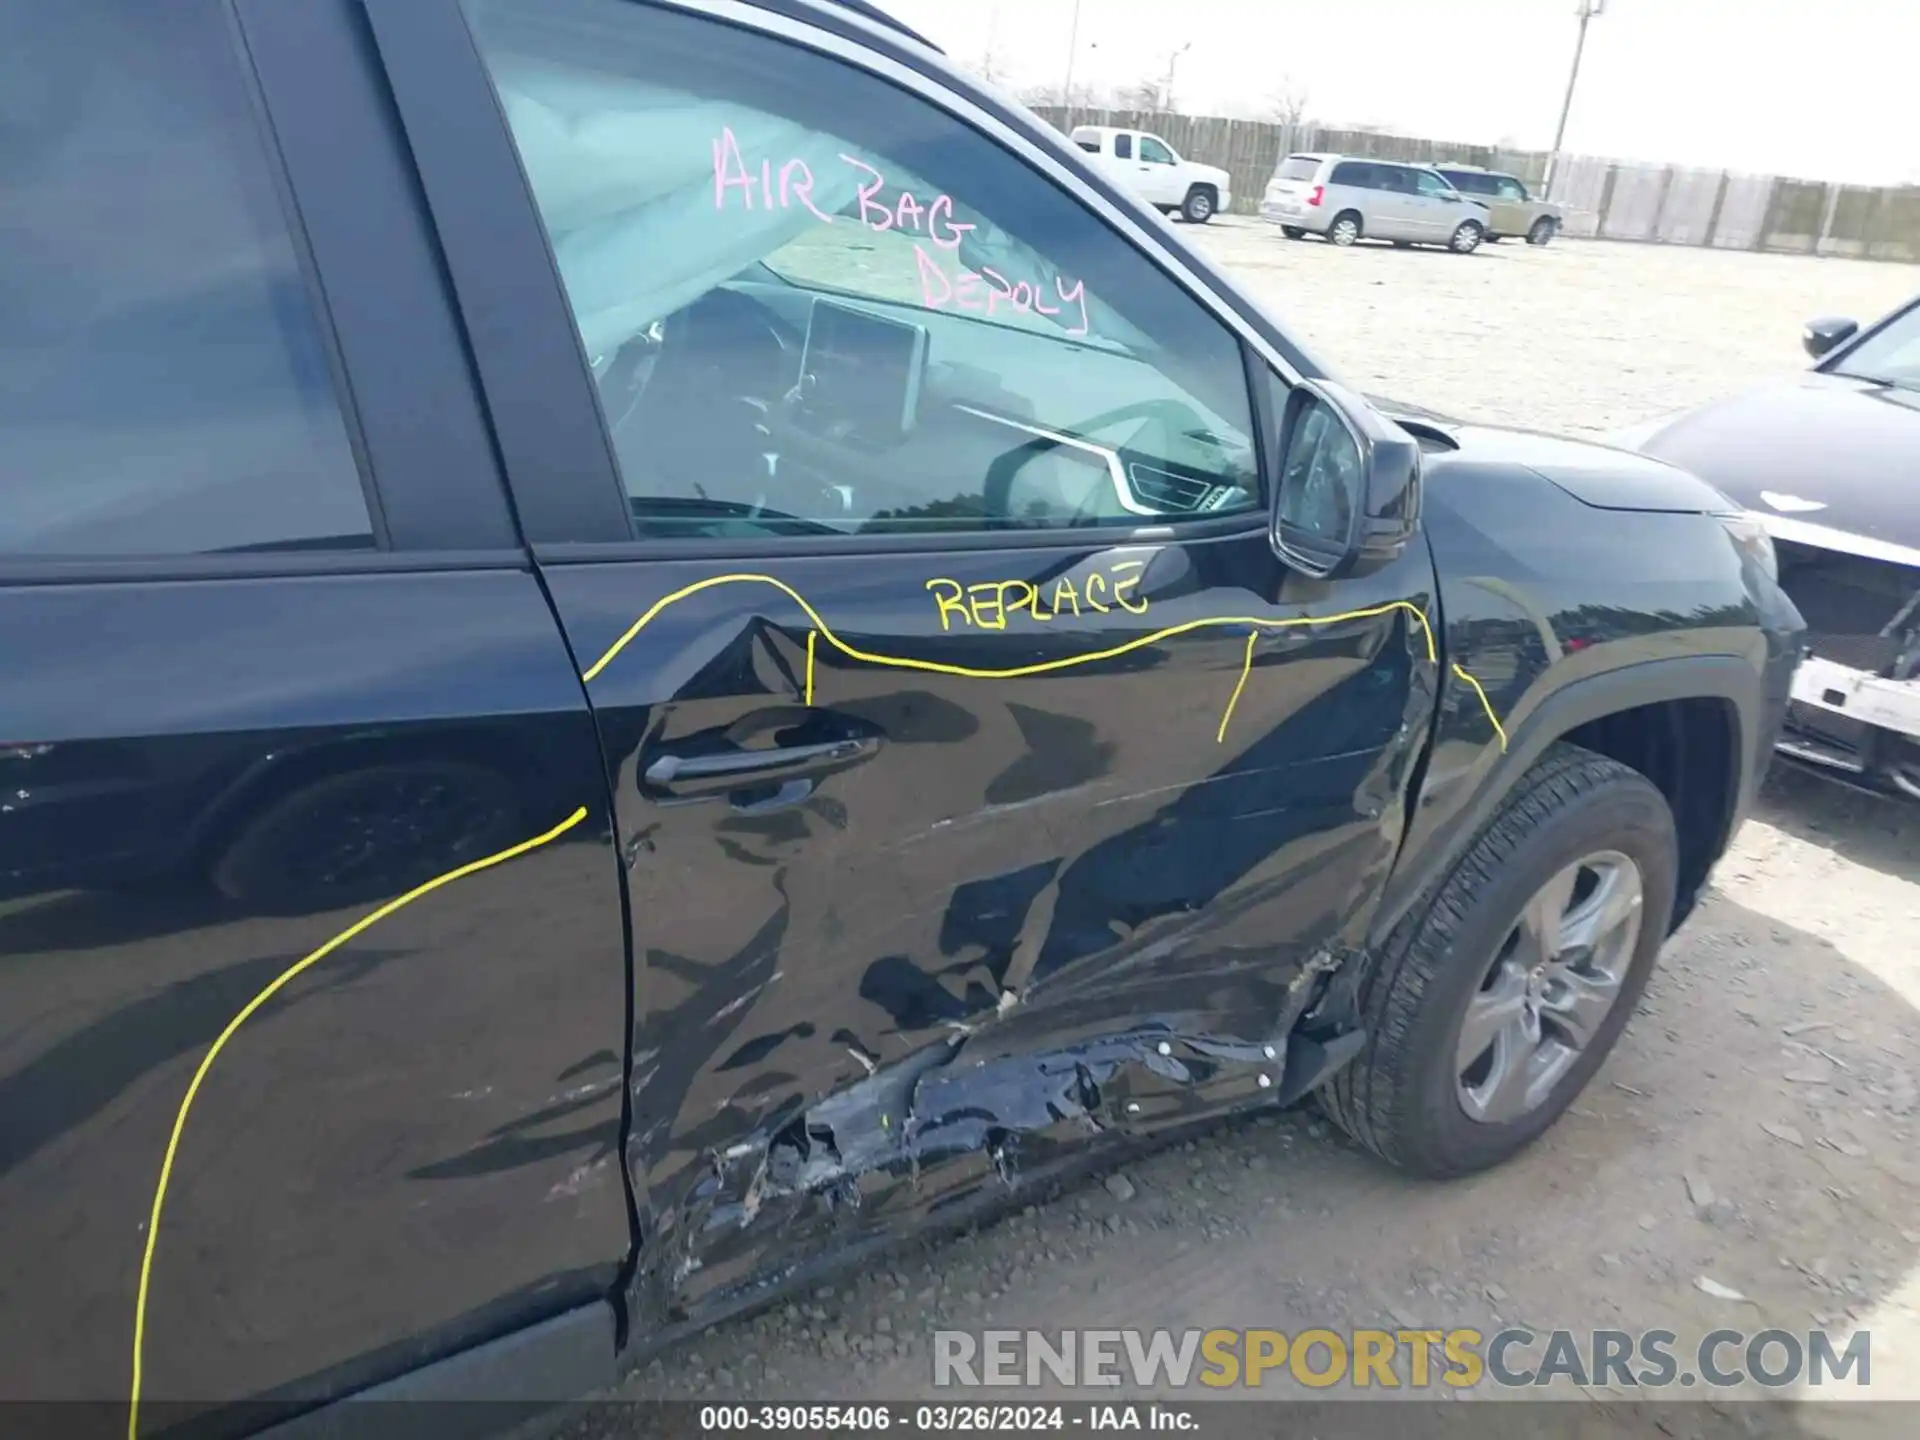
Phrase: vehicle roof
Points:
(866, 9)
(1384, 160)
(1476, 169)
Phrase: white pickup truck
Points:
(1148, 166)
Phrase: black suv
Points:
(646, 642)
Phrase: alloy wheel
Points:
(1552, 983)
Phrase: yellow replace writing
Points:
(989, 604)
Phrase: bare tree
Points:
(1140, 95)
(1082, 97)
(1287, 102)
(991, 67)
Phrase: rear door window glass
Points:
(164, 385)
(1123, 147)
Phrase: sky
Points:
(1824, 89)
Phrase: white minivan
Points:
(1153, 170)
(1345, 199)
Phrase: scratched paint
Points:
(280, 982)
(1254, 624)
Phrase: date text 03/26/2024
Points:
(945, 1418)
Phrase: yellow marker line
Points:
(1487, 705)
(213, 1053)
(812, 635)
(1246, 669)
(1040, 667)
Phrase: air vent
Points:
(1182, 494)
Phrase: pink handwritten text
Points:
(984, 291)
(730, 173)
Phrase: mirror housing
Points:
(1827, 333)
(1346, 488)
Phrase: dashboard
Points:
(767, 408)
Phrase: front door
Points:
(954, 702)
(1160, 172)
(1438, 207)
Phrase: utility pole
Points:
(1166, 93)
(1586, 10)
(1073, 44)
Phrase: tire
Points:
(1294, 232)
(1466, 238)
(1405, 1096)
(1542, 232)
(1198, 207)
(1345, 229)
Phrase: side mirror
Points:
(1823, 335)
(1346, 499)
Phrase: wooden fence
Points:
(1607, 199)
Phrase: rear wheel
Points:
(1199, 205)
(1466, 239)
(1493, 1003)
(1293, 232)
(1345, 228)
(1542, 232)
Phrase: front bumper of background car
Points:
(1855, 702)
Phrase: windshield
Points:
(1891, 355)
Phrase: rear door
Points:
(1293, 180)
(311, 951)
(904, 516)
(1392, 206)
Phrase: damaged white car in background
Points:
(1828, 465)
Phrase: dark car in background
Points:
(1828, 461)
(646, 645)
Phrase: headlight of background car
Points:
(1753, 541)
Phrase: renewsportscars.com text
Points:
(1414, 1359)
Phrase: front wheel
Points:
(1542, 232)
(1467, 238)
(1494, 1001)
(1197, 209)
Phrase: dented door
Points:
(984, 783)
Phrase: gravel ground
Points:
(1753, 1133)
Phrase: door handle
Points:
(782, 775)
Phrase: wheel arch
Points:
(1664, 718)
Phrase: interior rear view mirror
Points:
(1346, 498)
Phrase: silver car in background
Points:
(1345, 198)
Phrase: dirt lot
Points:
(1756, 1128)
